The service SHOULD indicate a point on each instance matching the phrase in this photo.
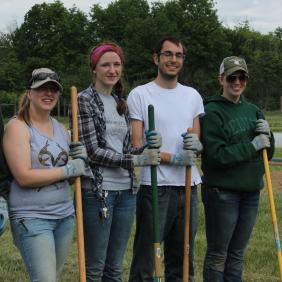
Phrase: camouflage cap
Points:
(231, 64)
(43, 75)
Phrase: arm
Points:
(17, 151)
(166, 158)
(196, 126)
(137, 133)
(88, 136)
(219, 151)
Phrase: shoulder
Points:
(141, 89)
(62, 128)
(85, 95)
(16, 123)
(212, 107)
(88, 101)
(188, 90)
(249, 104)
(18, 128)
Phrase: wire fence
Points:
(10, 109)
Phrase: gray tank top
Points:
(53, 201)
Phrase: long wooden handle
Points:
(155, 203)
(273, 211)
(78, 198)
(186, 249)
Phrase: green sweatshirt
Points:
(229, 160)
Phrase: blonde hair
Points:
(24, 105)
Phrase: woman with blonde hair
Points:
(41, 210)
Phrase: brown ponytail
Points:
(121, 104)
(24, 104)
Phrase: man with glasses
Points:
(177, 108)
(234, 134)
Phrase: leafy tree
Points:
(263, 57)
(127, 23)
(10, 68)
(59, 38)
(52, 36)
(196, 23)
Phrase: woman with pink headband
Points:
(109, 199)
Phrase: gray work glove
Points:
(147, 158)
(261, 142)
(262, 126)
(191, 142)
(153, 139)
(184, 158)
(74, 168)
(78, 151)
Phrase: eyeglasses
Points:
(233, 77)
(43, 76)
(170, 55)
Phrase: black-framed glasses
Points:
(241, 77)
(43, 76)
(170, 55)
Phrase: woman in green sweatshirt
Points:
(234, 133)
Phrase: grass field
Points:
(260, 258)
(274, 119)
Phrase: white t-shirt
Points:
(175, 109)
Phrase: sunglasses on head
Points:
(233, 77)
(43, 76)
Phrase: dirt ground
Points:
(276, 180)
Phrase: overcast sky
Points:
(263, 15)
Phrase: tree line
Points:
(60, 38)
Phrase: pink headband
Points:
(101, 49)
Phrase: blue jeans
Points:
(44, 245)
(105, 242)
(171, 218)
(230, 218)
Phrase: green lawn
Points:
(274, 119)
(260, 259)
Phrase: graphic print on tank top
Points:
(47, 158)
